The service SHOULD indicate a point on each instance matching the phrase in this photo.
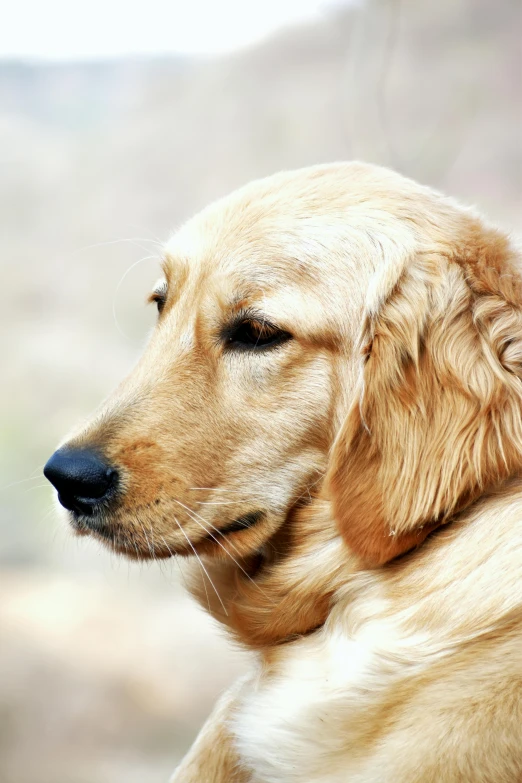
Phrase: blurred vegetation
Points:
(107, 669)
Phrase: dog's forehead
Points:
(314, 235)
(260, 233)
(293, 223)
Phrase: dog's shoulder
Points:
(412, 659)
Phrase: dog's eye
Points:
(251, 335)
(159, 300)
(159, 296)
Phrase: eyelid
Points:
(161, 287)
(159, 292)
(267, 335)
(246, 315)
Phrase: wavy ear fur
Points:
(438, 416)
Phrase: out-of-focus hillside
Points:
(106, 670)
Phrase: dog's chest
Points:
(300, 723)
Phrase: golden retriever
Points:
(329, 416)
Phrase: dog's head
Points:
(339, 321)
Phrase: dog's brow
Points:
(166, 265)
(239, 300)
(175, 269)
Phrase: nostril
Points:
(81, 477)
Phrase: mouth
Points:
(241, 523)
(140, 545)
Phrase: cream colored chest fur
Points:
(314, 722)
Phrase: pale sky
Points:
(75, 29)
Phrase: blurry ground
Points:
(103, 679)
(107, 669)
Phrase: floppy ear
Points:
(437, 418)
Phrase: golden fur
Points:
(393, 410)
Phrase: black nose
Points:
(81, 477)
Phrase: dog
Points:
(328, 417)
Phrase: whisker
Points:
(176, 560)
(152, 536)
(132, 241)
(200, 563)
(151, 549)
(214, 489)
(219, 543)
(138, 555)
(216, 502)
(23, 481)
(153, 238)
(203, 567)
(191, 511)
(167, 547)
(46, 517)
(43, 485)
(311, 486)
(122, 278)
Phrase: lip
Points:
(89, 523)
(244, 522)
(86, 520)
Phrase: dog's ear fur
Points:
(438, 415)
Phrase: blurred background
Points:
(117, 122)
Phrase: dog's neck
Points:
(289, 586)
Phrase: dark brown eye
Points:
(252, 335)
(159, 297)
(160, 300)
